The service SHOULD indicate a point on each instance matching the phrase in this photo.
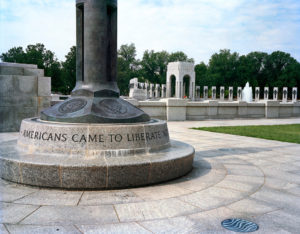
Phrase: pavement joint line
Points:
(272, 211)
(247, 196)
(116, 213)
(138, 223)
(178, 198)
(77, 228)
(79, 200)
(290, 193)
(195, 191)
(24, 196)
(264, 176)
(231, 189)
(251, 198)
(191, 191)
(6, 228)
(28, 215)
(134, 192)
(257, 215)
(282, 190)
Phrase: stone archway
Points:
(186, 86)
(173, 86)
(180, 70)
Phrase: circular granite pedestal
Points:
(93, 156)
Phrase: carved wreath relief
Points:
(112, 106)
(72, 106)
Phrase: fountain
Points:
(247, 93)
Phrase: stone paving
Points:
(233, 176)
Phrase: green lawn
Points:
(285, 133)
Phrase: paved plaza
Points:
(233, 177)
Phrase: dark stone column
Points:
(96, 48)
(79, 42)
(95, 99)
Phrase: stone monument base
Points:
(81, 109)
(93, 156)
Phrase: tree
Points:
(154, 64)
(252, 69)
(14, 55)
(151, 65)
(69, 70)
(179, 56)
(43, 58)
(222, 69)
(201, 74)
(127, 67)
(128, 54)
(282, 69)
(46, 59)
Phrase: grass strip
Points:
(285, 133)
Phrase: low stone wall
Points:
(179, 109)
(24, 92)
(155, 109)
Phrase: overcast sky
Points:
(197, 27)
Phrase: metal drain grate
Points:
(239, 225)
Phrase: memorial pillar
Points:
(257, 93)
(275, 93)
(230, 94)
(214, 92)
(266, 93)
(222, 93)
(295, 94)
(285, 94)
(239, 93)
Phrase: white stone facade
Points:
(180, 70)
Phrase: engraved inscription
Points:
(72, 106)
(96, 138)
(112, 106)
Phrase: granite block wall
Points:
(24, 92)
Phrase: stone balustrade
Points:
(182, 109)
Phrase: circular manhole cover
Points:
(239, 225)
